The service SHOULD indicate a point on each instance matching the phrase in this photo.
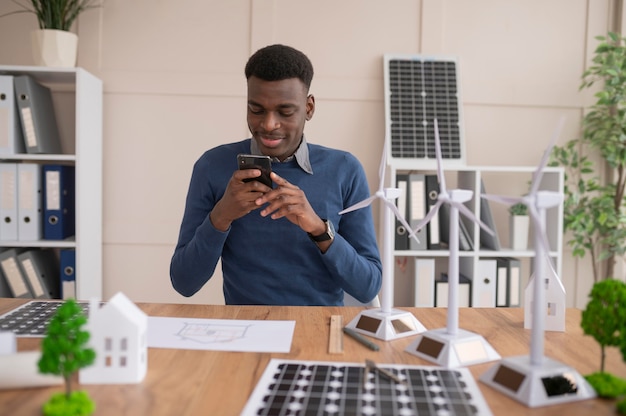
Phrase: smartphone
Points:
(263, 163)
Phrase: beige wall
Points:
(174, 87)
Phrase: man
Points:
(287, 245)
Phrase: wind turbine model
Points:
(385, 323)
(451, 346)
(536, 380)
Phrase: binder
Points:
(441, 291)
(465, 242)
(67, 264)
(417, 209)
(424, 283)
(432, 228)
(29, 202)
(13, 274)
(41, 269)
(484, 284)
(8, 202)
(11, 139)
(5, 290)
(502, 282)
(59, 202)
(40, 130)
(401, 233)
(515, 281)
(488, 241)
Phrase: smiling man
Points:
(286, 244)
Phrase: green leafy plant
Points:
(54, 14)
(518, 209)
(594, 211)
(64, 352)
(604, 318)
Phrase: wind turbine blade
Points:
(546, 156)
(359, 205)
(433, 211)
(469, 214)
(398, 215)
(382, 166)
(440, 176)
(506, 200)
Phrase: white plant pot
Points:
(518, 231)
(55, 48)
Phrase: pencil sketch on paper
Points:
(220, 334)
(206, 333)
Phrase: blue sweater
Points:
(273, 262)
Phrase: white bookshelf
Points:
(77, 97)
(507, 181)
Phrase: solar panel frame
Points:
(418, 89)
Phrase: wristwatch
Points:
(328, 235)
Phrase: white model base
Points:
(386, 325)
(447, 350)
(549, 383)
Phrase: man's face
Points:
(277, 111)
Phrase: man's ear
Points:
(310, 107)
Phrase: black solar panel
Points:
(419, 91)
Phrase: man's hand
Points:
(287, 200)
(239, 198)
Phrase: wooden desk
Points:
(187, 382)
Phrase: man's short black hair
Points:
(278, 62)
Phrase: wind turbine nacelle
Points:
(460, 195)
(392, 193)
(548, 199)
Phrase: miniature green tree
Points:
(64, 352)
(604, 318)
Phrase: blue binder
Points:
(67, 262)
(59, 202)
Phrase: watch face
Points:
(328, 235)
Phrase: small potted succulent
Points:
(519, 222)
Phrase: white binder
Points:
(11, 138)
(29, 202)
(13, 274)
(424, 283)
(484, 284)
(8, 202)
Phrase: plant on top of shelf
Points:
(54, 14)
(518, 209)
(594, 211)
(64, 352)
(604, 318)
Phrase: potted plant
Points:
(519, 222)
(593, 207)
(54, 44)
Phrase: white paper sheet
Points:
(220, 334)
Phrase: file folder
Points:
(515, 281)
(465, 242)
(42, 273)
(402, 234)
(487, 240)
(11, 140)
(484, 284)
(38, 120)
(29, 202)
(432, 228)
(416, 199)
(5, 291)
(441, 291)
(8, 202)
(502, 282)
(67, 260)
(424, 283)
(59, 202)
(13, 274)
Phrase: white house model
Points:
(555, 303)
(119, 336)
